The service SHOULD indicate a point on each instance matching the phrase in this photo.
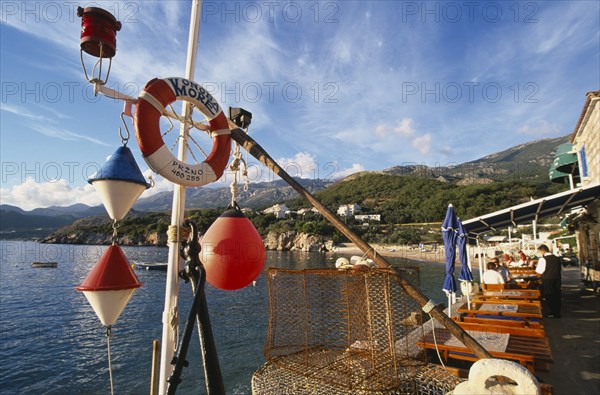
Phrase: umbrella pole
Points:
(471, 269)
(468, 296)
(480, 262)
(239, 136)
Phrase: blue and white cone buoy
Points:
(119, 182)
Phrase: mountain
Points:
(259, 195)
(523, 167)
(16, 223)
(78, 210)
(528, 161)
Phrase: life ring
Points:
(482, 370)
(156, 95)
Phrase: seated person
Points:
(500, 268)
(523, 259)
(491, 276)
(508, 261)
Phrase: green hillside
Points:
(399, 200)
(403, 199)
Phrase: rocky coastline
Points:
(294, 241)
(286, 241)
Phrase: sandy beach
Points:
(395, 251)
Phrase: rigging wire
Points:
(112, 389)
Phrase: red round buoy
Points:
(233, 252)
(98, 30)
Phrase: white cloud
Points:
(387, 137)
(32, 194)
(64, 134)
(423, 143)
(302, 165)
(381, 130)
(406, 127)
(355, 168)
(161, 184)
(23, 112)
(540, 128)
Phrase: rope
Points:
(235, 168)
(174, 323)
(435, 341)
(112, 389)
(177, 234)
(366, 254)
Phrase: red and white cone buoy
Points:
(110, 285)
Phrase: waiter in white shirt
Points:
(549, 266)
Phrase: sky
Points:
(334, 87)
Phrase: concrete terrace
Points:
(575, 340)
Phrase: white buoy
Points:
(340, 262)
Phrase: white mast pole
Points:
(177, 217)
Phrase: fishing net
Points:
(345, 331)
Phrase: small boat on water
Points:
(44, 264)
(162, 266)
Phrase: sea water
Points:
(51, 341)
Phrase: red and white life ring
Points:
(159, 93)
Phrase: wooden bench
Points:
(501, 323)
(505, 300)
(492, 287)
(532, 352)
(511, 330)
(525, 312)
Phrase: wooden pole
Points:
(245, 141)
(155, 363)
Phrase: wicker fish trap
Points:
(430, 379)
(353, 330)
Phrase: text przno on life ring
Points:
(159, 93)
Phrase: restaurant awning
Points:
(534, 210)
(558, 177)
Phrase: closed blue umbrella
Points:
(465, 272)
(461, 243)
(450, 236)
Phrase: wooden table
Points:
(526, 281)
(532, 352)
(509, 294)
(521, 270)
(526, 309)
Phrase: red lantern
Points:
(98, 32)
(233, 252)
(99, 39)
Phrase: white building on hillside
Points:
(368, 217)
(304, 211)
(348, 210)
(278, 210)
